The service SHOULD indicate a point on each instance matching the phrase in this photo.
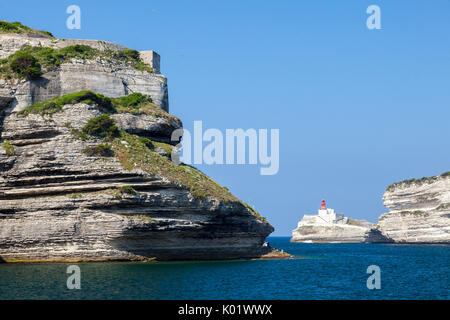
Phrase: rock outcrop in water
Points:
(84, 177)
(311, 229)
(419, 211)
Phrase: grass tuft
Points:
(443, 206)
(9, 148)
(415, 212)
(101, 150)
(127, 190)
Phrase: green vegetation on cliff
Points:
(127, 190)
(102, 126)
(132, 150)
(55, 105)
(9, 148)
(354, 222)
(131, 101)
(139, 151)
(46, 59)
(100, 150)
(136, 154)
(138, 103)
(17, 27)
(153, 145)
(415, 212)
(25, 65)
(417, 181)
(443, 206)
(135, 103)
(254, 212)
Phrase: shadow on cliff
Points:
(2, 118)
(1, 260)
(41, 85)
(6, 104)
(376, 236)
(2, 115)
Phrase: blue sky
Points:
(357, 109)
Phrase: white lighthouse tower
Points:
(328, 215)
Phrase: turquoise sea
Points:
(318, 271)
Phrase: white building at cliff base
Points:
(331, 227)
(325, 216)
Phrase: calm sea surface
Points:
(318, 271)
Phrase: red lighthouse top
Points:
(323, 205)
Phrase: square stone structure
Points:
(152, 58)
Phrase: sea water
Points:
(317, 271)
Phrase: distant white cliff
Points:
(328, 226)
(419, 211)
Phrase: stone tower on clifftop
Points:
(152, 58)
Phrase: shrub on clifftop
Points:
(25, 65)
(102, 127)
(101, 150)
(17, 27)
(11, 26)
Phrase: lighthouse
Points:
(328, 215)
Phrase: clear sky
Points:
(357, 109)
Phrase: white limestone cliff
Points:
(61, 202)
(419, 211)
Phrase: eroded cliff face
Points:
(68, 195)
(419, 211)
(57, 203)
(105, 76)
